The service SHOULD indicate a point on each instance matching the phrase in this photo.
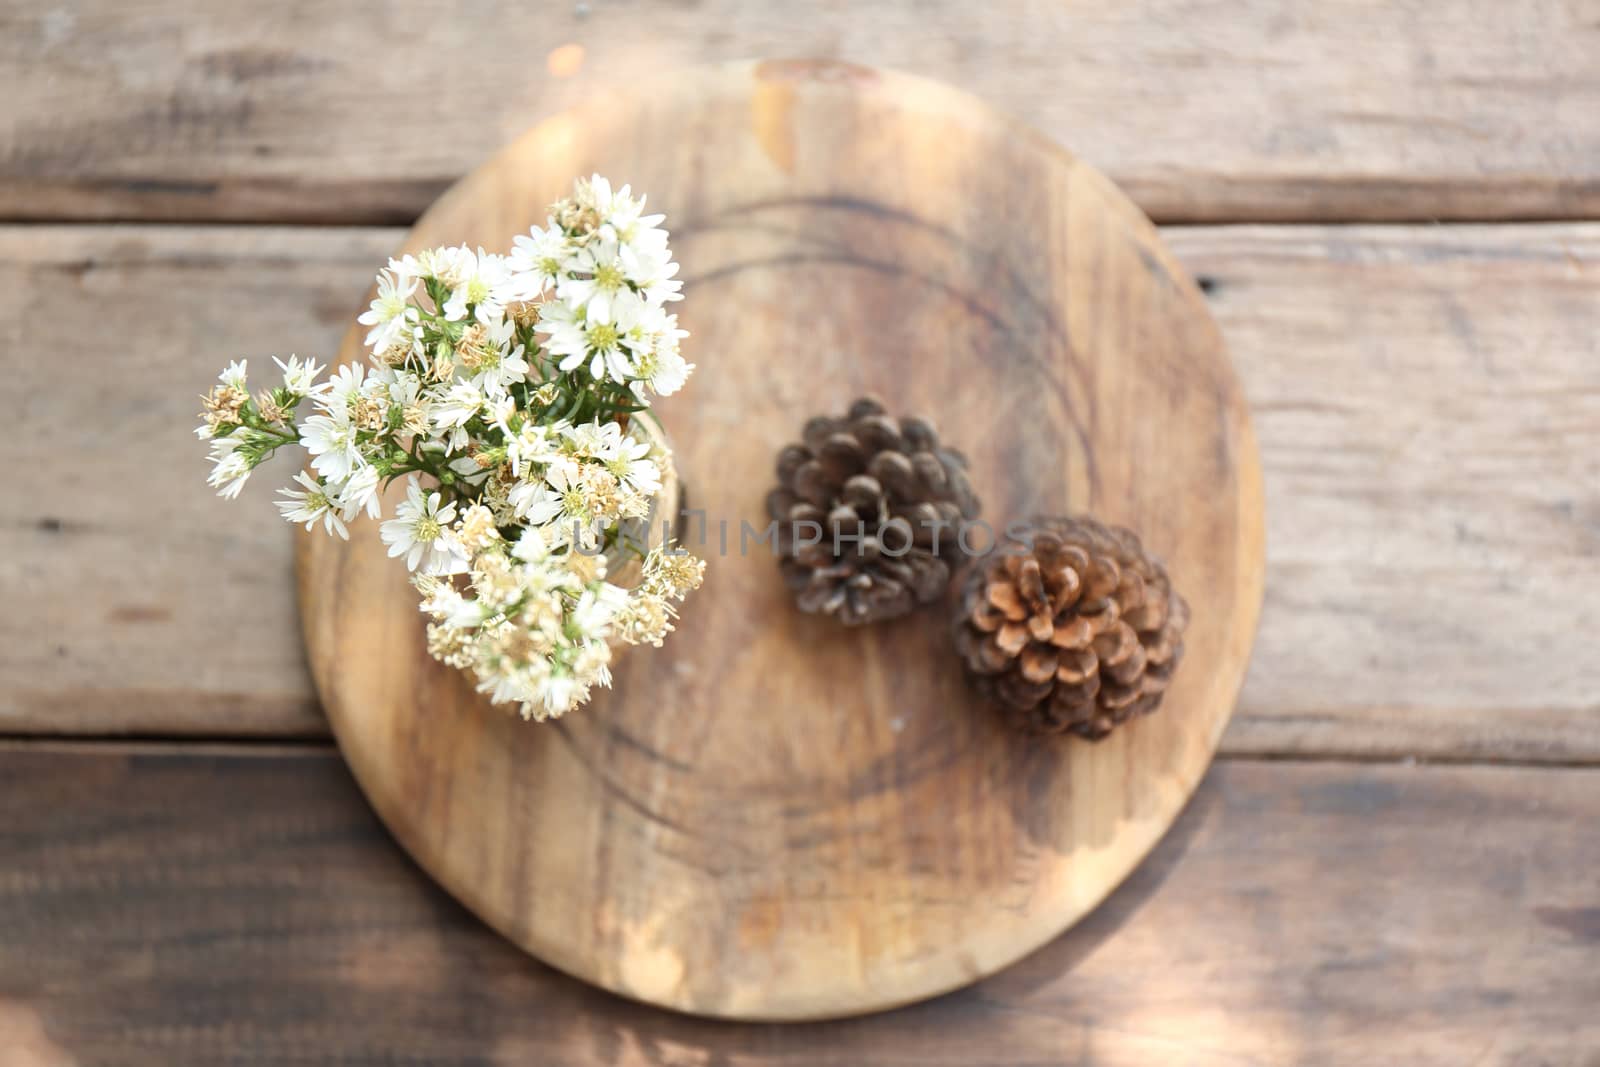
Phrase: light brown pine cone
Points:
(1070, 627)
(889, 483)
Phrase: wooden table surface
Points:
(1396, 858)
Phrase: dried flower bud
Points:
(369, 413)
(269, 409)
(646, 620)
(442, 367)
(221, 406)
(675, 573)
(587, 567)
(413, 419)
(394, 355)
(449, 646)
(476, 529)
(472, 350)
(523, 313)
(576, 217)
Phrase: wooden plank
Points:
(159, 906)
(1427, 402)
(149, 605)
(364, 111)
(1428, 407)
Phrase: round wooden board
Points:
(771, 817)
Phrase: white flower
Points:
(310, 504)
(340, 390)
(565, 335)
(632, 226)
(233, 375)
(621, 214)
(600, 441)
(446, 604)
(391, 313)
(420, 531)
(299, 378)
(640, 233)
(602, 344)
(595, 192)
(535, 498)
(532, 546)
(654, 278)
(559, 497)
(633, 467)
(503, 363)
(331, 440)
(360, 493)
(406, 269)
(498, 406)
(231, 468)
(664, 370)
(592, 279)
(511, 369)
(641, 245)
(535, 444)
(658, 364)
(406, 390)
(404, 386)
(560, 695)
(536, 261)
(458, 406)
(624, 456)
(480, 280)
(595, 609)
(647, 262)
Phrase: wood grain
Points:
(1431, 546)
(162, 905)
(364, 111)
(776, 817)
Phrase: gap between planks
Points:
(202, 746)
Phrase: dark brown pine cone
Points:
(887, 499)
(1079, 632)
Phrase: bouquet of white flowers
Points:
(512, 387)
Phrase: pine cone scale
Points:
(1011, 638)
(840, 457)
(1075, 634)
(1038, 664)
(790, 460)
(1076, 666)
